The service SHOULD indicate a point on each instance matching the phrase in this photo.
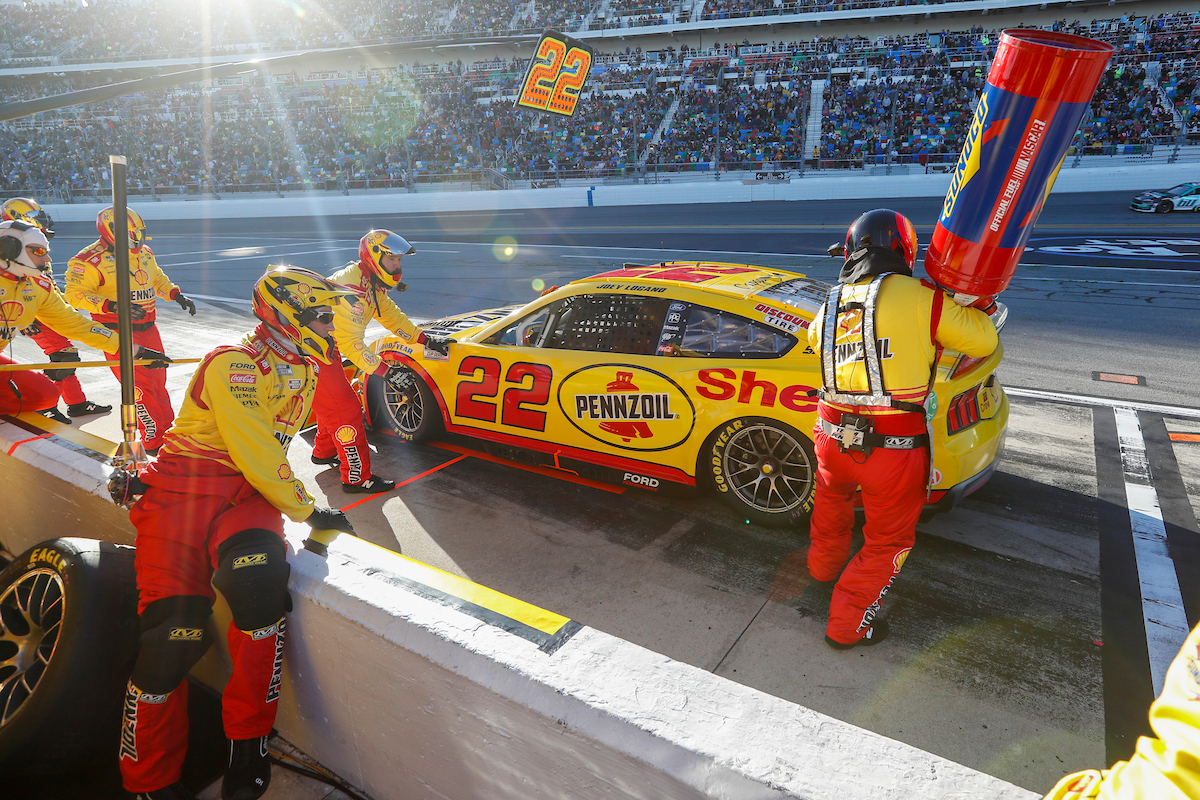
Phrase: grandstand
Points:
(376, 104)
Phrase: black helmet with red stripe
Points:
(883, 228)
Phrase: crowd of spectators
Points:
(757, 126)
(900, 99)
(120, 30)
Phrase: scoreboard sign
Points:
(556, 75)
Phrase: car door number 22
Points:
(475, 398)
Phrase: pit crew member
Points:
(878, 337)
(210, 516)
(1164, 768)
(57, 347)
(28, 295)
(340, 434)
(92, 286)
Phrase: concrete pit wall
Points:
(407, 695)
(1131, 178)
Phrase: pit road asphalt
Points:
(1019, 643)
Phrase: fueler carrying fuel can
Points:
(1037, 90)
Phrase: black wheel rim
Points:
(767, 469)
(406, 406)
(31, 614)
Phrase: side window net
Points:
(609, 323)
(708, 332)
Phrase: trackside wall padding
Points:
(406, 697)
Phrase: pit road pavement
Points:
(1020, 643)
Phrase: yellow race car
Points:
(689, 373)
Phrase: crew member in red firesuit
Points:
(878, 336)
(210, 517)
(29, 296)
(92, 286)
(58, 348)
(341, 437)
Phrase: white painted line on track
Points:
(1162, 602)
(1081, 399)
(1094, 280)
(241, 301)
(1097, 266)
(644, 249)
(266, 257)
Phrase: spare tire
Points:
(68, 640)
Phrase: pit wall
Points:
(1133, 179)
(405, 691)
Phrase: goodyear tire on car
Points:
(68, 639)
(404, 405)
(762, 468)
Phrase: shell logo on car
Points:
(637, 409)
(694, 373)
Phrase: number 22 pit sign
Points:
(556, 75)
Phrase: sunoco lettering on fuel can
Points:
(1037, 90)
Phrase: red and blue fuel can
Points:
(1037, 91)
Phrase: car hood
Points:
(462, 325)
(1151, 196)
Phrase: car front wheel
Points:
(405, 405)
(1163, 207)
(68, 638)
(764, 469)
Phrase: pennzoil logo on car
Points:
(627, 407)
(252, 560)
(186, 634)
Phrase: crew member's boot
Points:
(249, 772)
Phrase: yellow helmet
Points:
(137, 228)
(377, 244)
(27, 210)
(286, 299)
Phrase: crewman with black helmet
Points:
(210, 517)
(341, 438)
(92, 286)
(878, 336)
(58, 348)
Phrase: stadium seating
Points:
(826, 102)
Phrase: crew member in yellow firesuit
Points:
(27, 296)
(210, 517)
(340, 434)
(878, 336)
(58, 348)
(1166, 768)
(92, 286)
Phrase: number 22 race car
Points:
(696, 374)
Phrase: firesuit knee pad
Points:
(252, 575)
(66, 355)
(174, 637)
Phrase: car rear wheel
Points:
(405, 405)
(764, 469)
(1163, 207)
(68, 638)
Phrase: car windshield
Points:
(805, 294)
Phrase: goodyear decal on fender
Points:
(1014, 148)
(628, 407)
